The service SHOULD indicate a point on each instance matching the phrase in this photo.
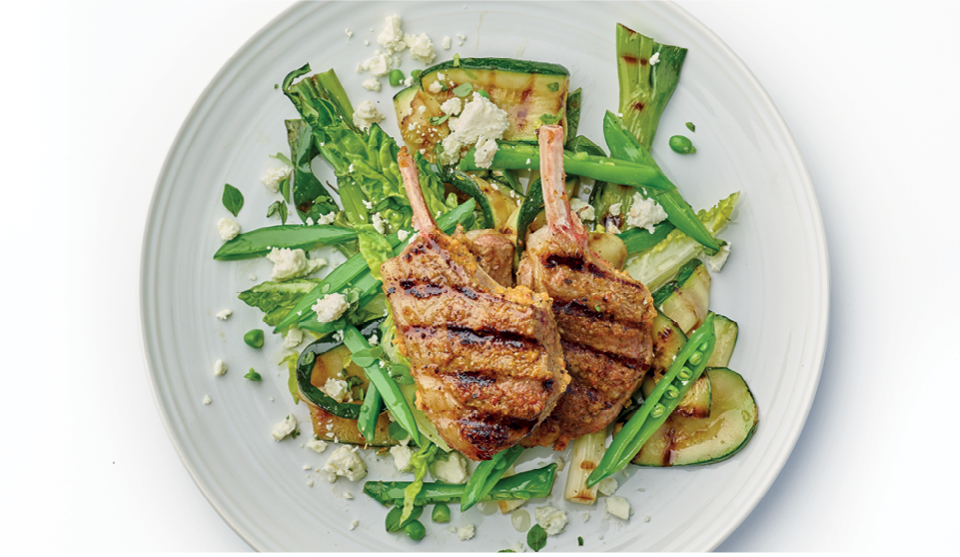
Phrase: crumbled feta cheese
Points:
(374, 340)
(330, 307)
(615, 209)
(347, 463)
(337, 389)
(372, 84)
(446, 43)
(347, 495)
(583, 209)
(421, 48)
(309, 483)
(366, 115)
(435, 87)
(292, 263)
(391, 38)
(252, 277)
(379, 223)
(354, 524)
(327, 219)
(228, 229)
(207, 400)
(466, 532)
(618, 507)
(408, 82)
(401, 457)
(223, 314)
(379, 65)
(451, 471)
(219, 368)
(460, 39)
(646, 519)
(561, 464)
(402, 235)
(307, 466)
(366, 203)
(451, 106)
(440, 76)
(293, 338)
(718, 260)
(655, 59)
(366, 42)
(585, 517)
(612, 228)
(552, 520)
(480, 122)
(284, 428)
(317, 445)
(273, 176)
(483, 156)
(645, 213)
(607, 486)
(348, 32)
(519, 548)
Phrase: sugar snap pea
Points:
(370, 412)
(531, 484)
(686, 369)
(259, 242)
(487, 474)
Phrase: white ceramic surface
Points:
(775, 284)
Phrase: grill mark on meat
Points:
(467, 291)
(488, 428)
(575, 308)
(471, 379)
(576, 263)
(425, 290)
(475, 337)
(626, 362)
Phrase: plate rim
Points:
(822, 258)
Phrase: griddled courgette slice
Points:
(727, 331)
(684, 441)
(668, 339)
(685, 298)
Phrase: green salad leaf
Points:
(276, 299)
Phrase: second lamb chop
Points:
(604, 316)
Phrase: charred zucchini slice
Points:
(668, 339)
(336, 421)
(532, 94)
(726, 330)
(685, 298)
(683, 441)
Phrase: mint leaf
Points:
(253, 375)
(463, 90)
(232, 199)
(437, 120)
(537, 538)
(278, 208)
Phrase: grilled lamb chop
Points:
(494, 252)
(604, 316)
(486, 359)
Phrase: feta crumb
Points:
(207, 400)
(460, 39)
(466, 532)
(366, 42)
(348, 32)
(717, 261)
(284, 428)
(252, 277)
(618, 507)
(379, 64)
(337, 389)
(615, 209)
(366, 203)
(402, 235)
(583, 209)
(347, 495)
(440, 76)
(451, 106)
(273, 176)
(607, 486)
(391, 38)
(219, 368)
(645, 213)
(552, 520)
(372, 84)
(421, 48)
(316, 445)
(561, 464)
(451, 471)
(401, 457)
(293, 338)
(347, 463)
(480, 122)
(408, 82)
(585, 517)
(446, 43)
(309, 483)
(354, 524)
(483, 156)
(330, 307)
(228, 229)
(435, 87)
(327, 219)
(612, 228)
(292, 263)
(655, 59)
(646, 519)
(366, 115)
(374, 340)
(307, 466)
(223, 314)
(379, 223)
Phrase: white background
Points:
(95, 93)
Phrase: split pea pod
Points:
(259, 242)
(370, 412)
(487, 474)
(686, 369)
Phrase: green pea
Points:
(695, 358)
(441, 513)
(690, 126)
(396, 78)
(415, 530)
(392, 521)
(254, 338)
(415, 74)
(657, 411)
(683, 145)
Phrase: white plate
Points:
(775, 284)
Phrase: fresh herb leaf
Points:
(456, 60)
(232, 199)
(537, 538)
(690, 126)
(437, 120)
(282, 158)
(463, 90)
(483, 94)
(397, 432)
(253, 375)
(553, 87)
(278, 208)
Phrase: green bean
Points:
(531, 484)
(370, 413)
(415, 530)
(259, 242)
(254, 338)
(441, 513)
(388, 388)
(656, 408)
(487, 474)
(681, 144)
(396, 78)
